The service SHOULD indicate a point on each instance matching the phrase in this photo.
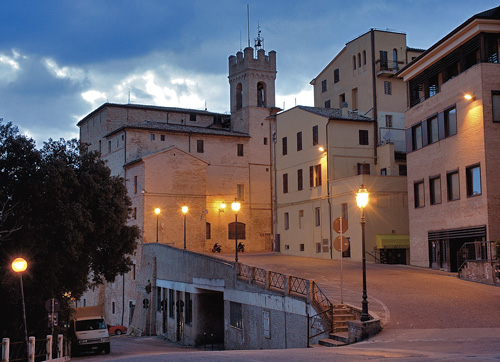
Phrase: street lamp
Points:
(19, 265)
(236, 207)
(184, 211)
(157, 212)
(362, 201)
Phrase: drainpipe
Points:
(374, 88)
(328, 191)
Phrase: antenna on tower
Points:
(259, 41)
(248, 24)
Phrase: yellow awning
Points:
(393, 241)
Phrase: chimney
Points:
(345, 110)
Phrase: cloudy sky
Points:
(61, 59)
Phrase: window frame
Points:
(315, 176)
(285, 183)
(388, 88)
(419, 194)
(236, 315)
(364, 139)
(240, 150)
(284, 146)
(495, 94)
(200, 146)
(430, 122)
(416, 139)
(317, 216)
(300, 179)
(446, 113)
(323, 86)
(299, 141)
(315, 135)
(286, 221)
(336, 75)
(432, 190)
(470, 180)
(449, 190)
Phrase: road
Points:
(427, 315)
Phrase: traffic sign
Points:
(337, 244)
(48, 305)
(336, 225)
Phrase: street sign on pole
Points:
(337, 225)
(341, 242)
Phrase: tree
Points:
(67, 216)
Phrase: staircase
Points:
(340, 334)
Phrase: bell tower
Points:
(252, 85)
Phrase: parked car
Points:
(117, 330)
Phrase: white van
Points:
(88, 331)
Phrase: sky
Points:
(61, 59)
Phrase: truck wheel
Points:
(107, 349)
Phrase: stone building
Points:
(171, 157)
(323, 156)
(452, 145)
(361, 78)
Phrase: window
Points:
(299, 141)
(364, 57)
(239, 96)
(301, 217)
(395, 59)
(323, 86)
(235, 315)
(285, 183)
(192, 117)
(109, 146)
(240, 149)
(344, 212)
(359, 60)
(315, 135)
(265, 140)
(188, 318)
(402, 170)
(135, 184)
(328, 104)
(199, 146)
(453, 184)
(318, 247)
(315, 176)
(450, 122)
(301, 247)
(383, 172)
(388, 120)
(133, 271)
(354, 96)
(134, 213)
(473, 175)
(317, 216)
(300, 180)
(387, 88)
(342, 100)
(432, 130)
(419, 196)
(158, 299)
(495, 103)
(383, 60)
(284, 146)
(354, 62)
(152, 136)
(363, 168)
(336, 76)
(363, 137)
(261, 94)
(208, 230)
(162, 137)
(416, 135)
(240, 192)
(435, 190)
(286, 220)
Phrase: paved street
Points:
(427, 315)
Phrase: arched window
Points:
(261, 94)
(239, 96)
(359, 60)
(233, 230)
(354, 62)
(395, 58)
(364, 57)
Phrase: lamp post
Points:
(184, 211)
(19, 265)
(157, 212)
(236, 207)
(362, 201)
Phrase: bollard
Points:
(60, 344)
(31, 352)
(48, 354)
(5, 349)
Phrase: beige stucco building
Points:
(361, 77)
(171, 157)
(453, 164)
(323, 155)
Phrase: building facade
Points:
(171, 157)
(362, 76)
(452, 142)
(323, 156)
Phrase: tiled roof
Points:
(178, 128)
(335, 113)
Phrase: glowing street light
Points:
(19, 265)
(236, 207)
(362, 201)
(184, 211)
(157, 212)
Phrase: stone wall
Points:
(481, 271)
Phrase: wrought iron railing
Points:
(475, 251)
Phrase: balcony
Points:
(387, 68)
